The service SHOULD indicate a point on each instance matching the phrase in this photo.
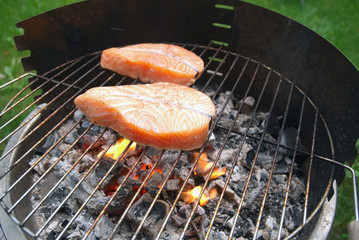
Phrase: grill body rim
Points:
(275, 40)
(79, 87)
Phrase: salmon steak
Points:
(160, 115)
(154, 62)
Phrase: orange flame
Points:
(117, 149)
(217, 172)
(192, 195)
(204, 166)
(213, 193)
(149, 166)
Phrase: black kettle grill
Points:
(296, 75)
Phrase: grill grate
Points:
(227, 71)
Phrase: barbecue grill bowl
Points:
(319, 70)
(304, 57)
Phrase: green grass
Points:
(337, 21)
(11, 12)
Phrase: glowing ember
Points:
(138, 176)
(159, 170)
(203, 165)
(202, 169)
(192, 195)
(213, 193)
(217, 172)
(116, 150)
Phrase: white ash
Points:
(250, 101)
(236, 175)
(224, 220)
(218, 235)
(78, 115)
(43, 165)
(222, 98)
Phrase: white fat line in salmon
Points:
(167, 54)
(165, 102)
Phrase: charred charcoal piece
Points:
(49, 141)
(103, 228)
(288, 140)
(248, 160)
(154, 220)
(178, 220)
(155, 179)
(274, 125)
(281, 169)
(293, 217)
(95, 131)
(229, 193)
(174, 184)
(106, 163)
(248, 104)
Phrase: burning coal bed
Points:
(83, 164)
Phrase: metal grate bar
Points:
(316, 210)
(38, 126)
(118, 188)
(39, 232)
(256, 154)
(223, 145)
(301, 151)
(205, 49)
(44, 137)
(31, 168)
(66, 174)
(216, 71)
(53, 100)
(235, 158)
(116, 192)
(53, 88)
(7, 84)
(58, 183)
(310, 169)
(96, 188)
(274, 159)
(45, 174)
(7, 107)
(307, 219)
(226, 77)
(190, 172)
(157, 195)
(220, 64)
(137, 193)
(178, 195)
(291, 169)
